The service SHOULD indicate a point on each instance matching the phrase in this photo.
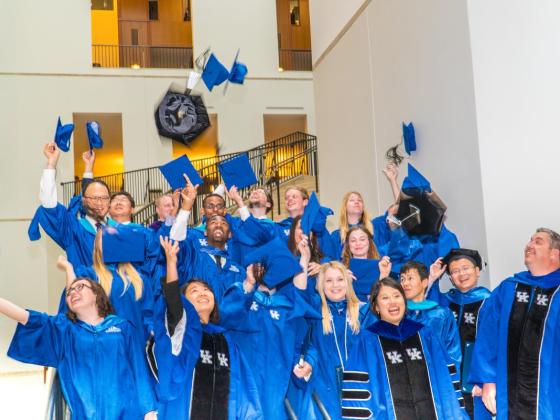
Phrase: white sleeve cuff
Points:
(47, 188)
(88, 175)
(244, 213)
(179, 229)
(178, 334)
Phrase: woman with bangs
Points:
(128, 292)
(332, 339)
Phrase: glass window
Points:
(294, 12)
(101, 4)
(153, 9)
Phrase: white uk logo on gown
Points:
(469, 318)
(203, 242)
(274, 314)
(222, 359)
(206, 357)
(542, 300)
(254, 306)
(394, 357)
(414, 354)
(522, 297)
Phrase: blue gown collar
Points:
(108, 321)
(212, 328)
(474, 295)
(421, 306)
(336, 307)
(546, 281)
(214, 251)
(275, 300)
(400, 332)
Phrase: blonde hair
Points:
(126, 272)
(365, 220)
(352, 305)
(373, 253)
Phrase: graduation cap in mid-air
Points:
(237, 73)
(237, 171)
(409, 137)
(62, 135)
(94, 135)
(123, 244)
(181, 117)
(279, 263)
(420, 211)
(173, 172)
(214, 73)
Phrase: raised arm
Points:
(171, 289)
(300, 280)
(47, 192)
(63, 264)
(234, 195)
(188, 196)
(392, 173)
(11, 310)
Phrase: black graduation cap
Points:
(421, 211)
(181, 117)
(458, 253)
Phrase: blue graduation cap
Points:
(279, 263)
(94, 138)
(415, 180)
(123, 244)
(173, 172)
(238, 172)
(366, 273)
(214, 73)
(62, 135)
(237, 73)
(409, 137)
(313, 214)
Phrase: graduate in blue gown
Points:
(399, 369)
(130, 295)
(297, 200)
(201, 372)
(414, 279)
(331, 342)
(102, 369)
(516, 358)
(464, 300)
(269, 325)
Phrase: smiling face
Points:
(414, 287)
(540, 257)
(80, 296)
(358, 243)
(390, 305)
(202, 298)
(464, 274)
(295, 202)
(354, 205)
(334, 286)
(96, 200)
(212, 205)
(217, 231)
(258, 199)
(164, 207)
(121, 207)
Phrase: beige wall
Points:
(403, 61)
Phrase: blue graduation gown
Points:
(139, 312)
(465, 307)
(527, 301)
(327, 354)
(73, 234)
(267, 330)
(373, 377)
(442, 322)
(176, 362)
(102, 369)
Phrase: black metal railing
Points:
(142, 56)
(295, 60)
(274, 162)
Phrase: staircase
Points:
(289, 160)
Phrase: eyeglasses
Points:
(102, 199)
(78, 288)
(214, 206)
(462, 270)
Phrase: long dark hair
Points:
(376, 288)
(215, 314)
(102, 302)
(316, 253)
